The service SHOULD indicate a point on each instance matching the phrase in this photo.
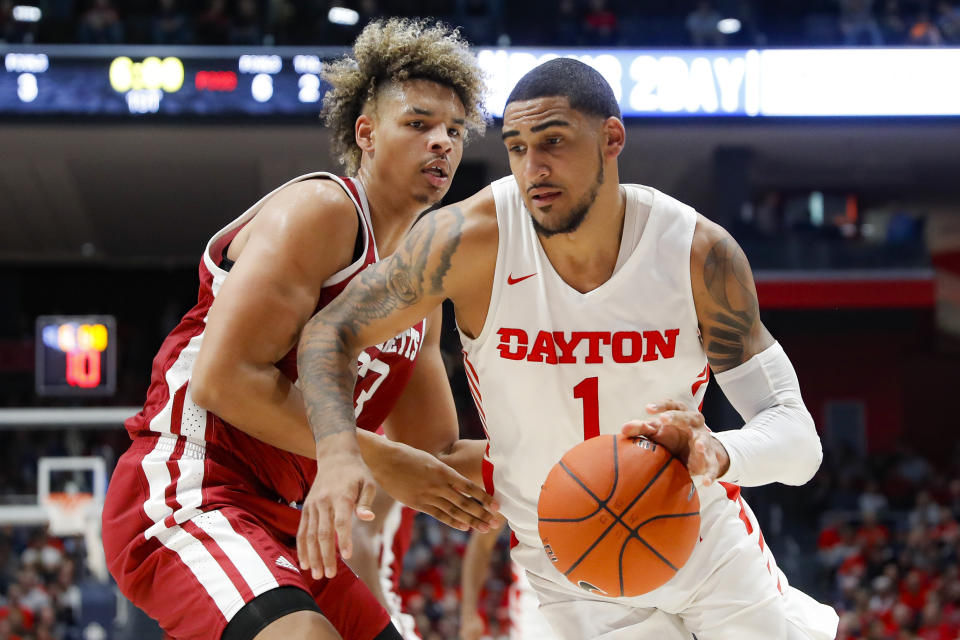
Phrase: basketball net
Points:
(76, 513)
(69, 513)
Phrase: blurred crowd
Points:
(39, 595)
(700, 23)
(430, 583)
(889, 548)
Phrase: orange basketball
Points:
(619, 516)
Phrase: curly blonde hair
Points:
(395, 50)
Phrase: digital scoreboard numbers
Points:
(65, 82)
(204, 82)
(76, 355)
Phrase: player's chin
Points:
(431, 197)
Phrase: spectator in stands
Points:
(100, 24)
(6, 630)
(11, 30)
(872, 534)
(482, 20)
(702, 26)
(213, 26)
(857, 23)
(280, 16)
(892, 25)
(245, 28)
(169, 24)
(924, 32)
(600, 24)
(925, 511)
(15, 612)
(567, 32)
(871, 499)
(948, 22)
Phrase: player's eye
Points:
(454, 133)
(416, 124)
(554, 140)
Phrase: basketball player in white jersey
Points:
(200, 520)
(587, 306)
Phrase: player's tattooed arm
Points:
(382, 301)
(726, 299)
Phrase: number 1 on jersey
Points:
(588, 391)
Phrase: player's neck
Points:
(586, 258)
(390, 216)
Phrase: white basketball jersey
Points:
(553, 366)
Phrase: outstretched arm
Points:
(431, 265)
(425, 417)
(476, 568)
(779, 442)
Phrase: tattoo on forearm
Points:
(726, 274)
(327, 349)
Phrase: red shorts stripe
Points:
(228, 567)
(170, 493)
(176, 415)
(194, 577)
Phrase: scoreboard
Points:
(217, 82)
(211, 82)
(76, 355)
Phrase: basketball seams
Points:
(593, 546)
(652, 549)
(601, 504)
(616, 469)
(665, 515)
(586, 517)
(619, 518)
(644, 490)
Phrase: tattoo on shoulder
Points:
(405, 274)
(726, 274)
(327, 374)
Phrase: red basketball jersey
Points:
(383, 370)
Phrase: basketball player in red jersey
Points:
(200, 520)
(582, 304)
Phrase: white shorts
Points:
(526, 620)
(730, 589)
(599, 620)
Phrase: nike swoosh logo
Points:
(512, 280)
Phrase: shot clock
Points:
(76, 355)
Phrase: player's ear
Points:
(363, 130)
(615, 136)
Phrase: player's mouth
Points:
(437, 173)
(543, 197)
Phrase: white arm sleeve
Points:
(779, 442)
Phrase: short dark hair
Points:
(581, 84)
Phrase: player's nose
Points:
(534, 167)
(440, 140)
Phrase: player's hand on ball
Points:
(685, 434)
(422, 482)
(343, 485)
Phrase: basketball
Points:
(618, 516)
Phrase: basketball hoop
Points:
(69, 513)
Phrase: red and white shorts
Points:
(190, 541)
